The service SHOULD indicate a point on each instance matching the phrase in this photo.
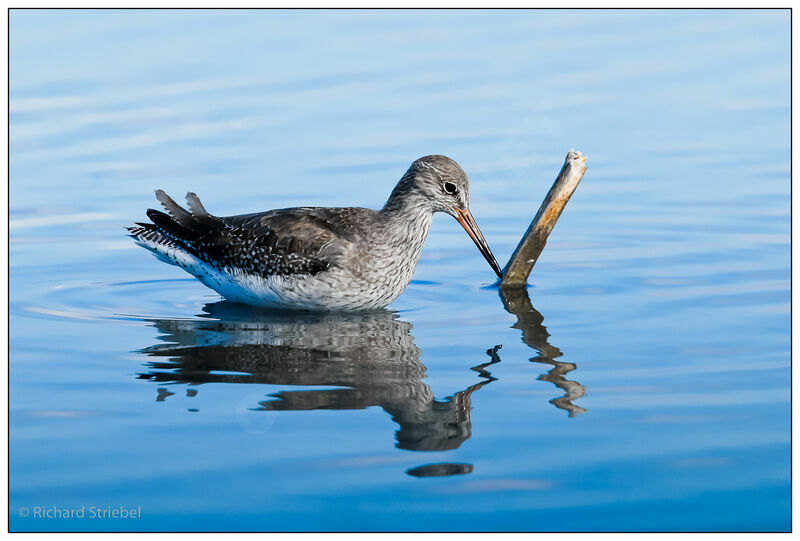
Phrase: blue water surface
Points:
(643, 378)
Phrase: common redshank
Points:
(314, 258)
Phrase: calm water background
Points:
(646, 386)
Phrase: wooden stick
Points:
(523, 259)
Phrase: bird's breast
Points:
(388, 261)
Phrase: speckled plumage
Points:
(311, 257)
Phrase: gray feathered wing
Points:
(278, 242)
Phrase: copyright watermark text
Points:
(81, 512)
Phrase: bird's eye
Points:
(449, 187)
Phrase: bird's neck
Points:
(409, 207)
(407, 217)
(406, 200)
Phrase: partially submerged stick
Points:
(523, 259)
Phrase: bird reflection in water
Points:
(365, 359)
(517, 302)
(369, 358)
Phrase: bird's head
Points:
(440, 183)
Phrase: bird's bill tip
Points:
(464, 217)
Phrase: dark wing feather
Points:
(346, 223)
(284, 242)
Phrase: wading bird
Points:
(314, 258)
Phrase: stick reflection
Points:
(517, 302)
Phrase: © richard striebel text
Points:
(81, 512)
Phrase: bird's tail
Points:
(178, 234)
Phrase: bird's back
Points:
(351, 224)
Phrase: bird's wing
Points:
(344, 223)
(283, 242)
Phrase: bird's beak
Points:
(468, 223)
